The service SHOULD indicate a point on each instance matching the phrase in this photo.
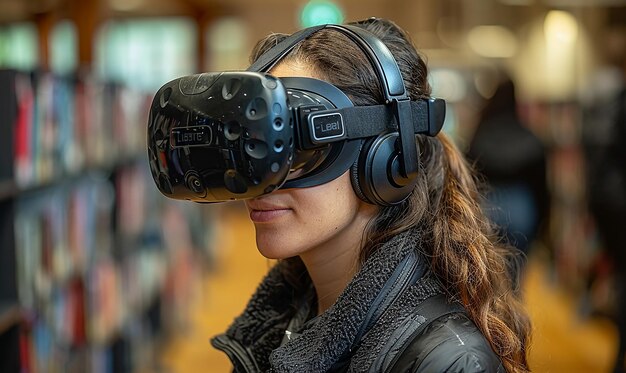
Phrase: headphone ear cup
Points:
(376, 168)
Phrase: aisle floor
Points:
(562, 341)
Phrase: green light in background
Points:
(319, 12)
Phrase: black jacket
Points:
(380, 323)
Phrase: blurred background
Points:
(100, 273)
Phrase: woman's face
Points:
(291, 222)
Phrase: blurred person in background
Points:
(512, 161)
(337, 254)
(604, 139)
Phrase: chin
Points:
(275, 246)
(272, 252)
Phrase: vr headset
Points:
(223, 136)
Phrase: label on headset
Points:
(326, 127)
(191, 136)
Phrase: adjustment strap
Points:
(408, 150)
(406, 274)
(360, 122)
(277, 52)
(367, 121)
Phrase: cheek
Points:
(328, 206)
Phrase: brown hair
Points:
(445, 205)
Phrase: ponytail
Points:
(468, 258)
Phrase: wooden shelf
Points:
(10, 189)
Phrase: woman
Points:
(333, 301)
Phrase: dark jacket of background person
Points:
(606, 193)
(256, 341)
(606, 175)
(513, 162)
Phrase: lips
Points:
(263, 212)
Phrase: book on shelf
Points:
(8, 110)
(57, 126)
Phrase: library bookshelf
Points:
(95, 265)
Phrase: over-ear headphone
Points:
(378, 176)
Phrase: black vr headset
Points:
(224, 136)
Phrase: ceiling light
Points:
(492, 41)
